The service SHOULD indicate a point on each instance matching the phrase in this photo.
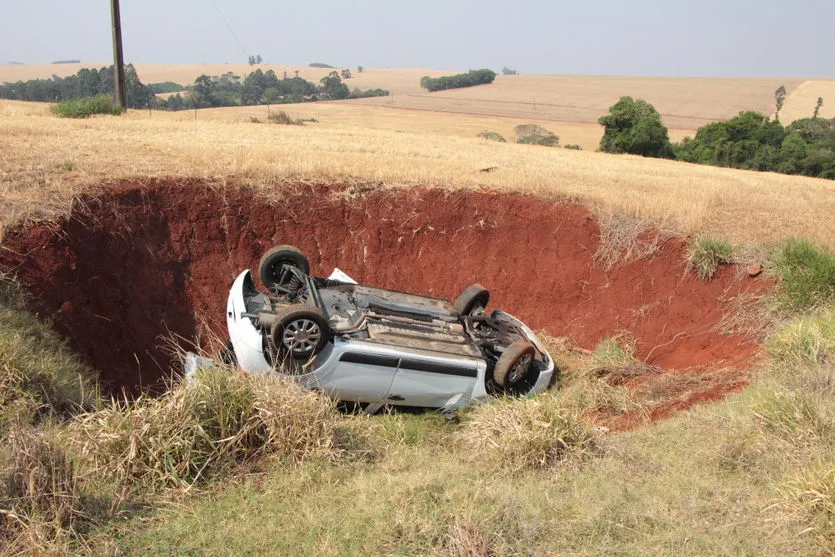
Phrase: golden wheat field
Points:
(801, 101)
(566, 105)
(684, 103)
(46, 160)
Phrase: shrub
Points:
(806, 274)
(515, 434)
(705, 254)
(82, 108)
(492, 136)
(534, 134)
(573, 147)
(200, 427)
(282, 118)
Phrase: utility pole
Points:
(118, 59)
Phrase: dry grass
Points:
(810, 496)
(351, 114)
(200, 428)
(737, 205)
(514, 435)
(39, 501)
(625, 238)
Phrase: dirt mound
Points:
(136, 263)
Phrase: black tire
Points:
(269, 269)
(472, 300)
(514, 365)
(299, 333)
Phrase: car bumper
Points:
(546, 374)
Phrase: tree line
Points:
(750, 141)
(84, 84)
(227, 90)
(469, 79)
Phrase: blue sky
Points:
(732, 38)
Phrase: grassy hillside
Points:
(234, 464)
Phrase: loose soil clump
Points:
(136, 264)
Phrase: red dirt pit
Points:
(134, 264)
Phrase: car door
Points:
(360, 375)
(432, 382)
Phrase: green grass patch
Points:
(705, 254)
(39, 376)
(614, 351)
(806, 340)
(659, 490)
(807, 275)
(83, 108)
(794, 417)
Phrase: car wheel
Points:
(269, 269)
(472, 300)
(300, 332)
(514, 364)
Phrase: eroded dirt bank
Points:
(141, 262)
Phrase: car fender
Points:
(545, 375)
(247, 340)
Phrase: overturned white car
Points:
(379, 347)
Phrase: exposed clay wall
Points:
(140, 262)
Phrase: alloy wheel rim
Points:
(520, 368)
(301, 336)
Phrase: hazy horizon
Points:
(735, 38)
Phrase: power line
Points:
(230, 28)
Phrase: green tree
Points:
(333, 88)
(634, 127)
(779, 99)
(204, 92)
(253, 88)
(817, 108)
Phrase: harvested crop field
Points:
(136, 264)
